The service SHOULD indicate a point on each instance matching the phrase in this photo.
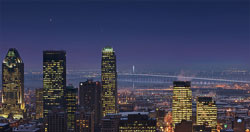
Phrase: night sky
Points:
(149, 35)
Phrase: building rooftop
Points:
(107, 49)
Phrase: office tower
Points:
(137, 122)
(109, 81)
(90, 98)
(57, 120)
(39, 103)
(182, 102)
(71, 106)
(54, 81)
(206, 112)
(13, 85)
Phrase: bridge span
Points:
(156, 78)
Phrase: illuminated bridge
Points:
(155, 78)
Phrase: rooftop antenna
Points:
(133, 72)
(133, 69)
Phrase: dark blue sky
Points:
(153, 35)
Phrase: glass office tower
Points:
(109, 81)
(13, 85)
(71, 106)
(206, 112)
(182, 102)
(54, 81)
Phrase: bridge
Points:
(156, 78)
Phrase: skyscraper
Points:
(71, 106)
(109, 81)
(13, 85)
(39, 103)
(54, 80)
(90, 98)
(206, 112)
(182, 102)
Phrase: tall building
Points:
(182, 102)
(206, 112)
(71, 106)
(90, 98)
(54, 81)
(39, 103)
(13, 85)
(109, 81)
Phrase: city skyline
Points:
(125, 65)
(179, 34)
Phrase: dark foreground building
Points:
(39, 103)
(137, 122)
(184, 126)
(57, 120)
(71, 107)
(90, 99)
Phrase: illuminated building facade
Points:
(84, 121)
(137, 123)
(71, 106)
(206, 112)
(13, 85)
(109, 81)
(90, 98)
(39, 103)
(54, 80)
(182, 102)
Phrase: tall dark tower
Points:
(71, 106)
(54, 81)
(13, 85)
(90, 98)
(39, 103)
(109, 81)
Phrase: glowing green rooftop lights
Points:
(107, 49)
